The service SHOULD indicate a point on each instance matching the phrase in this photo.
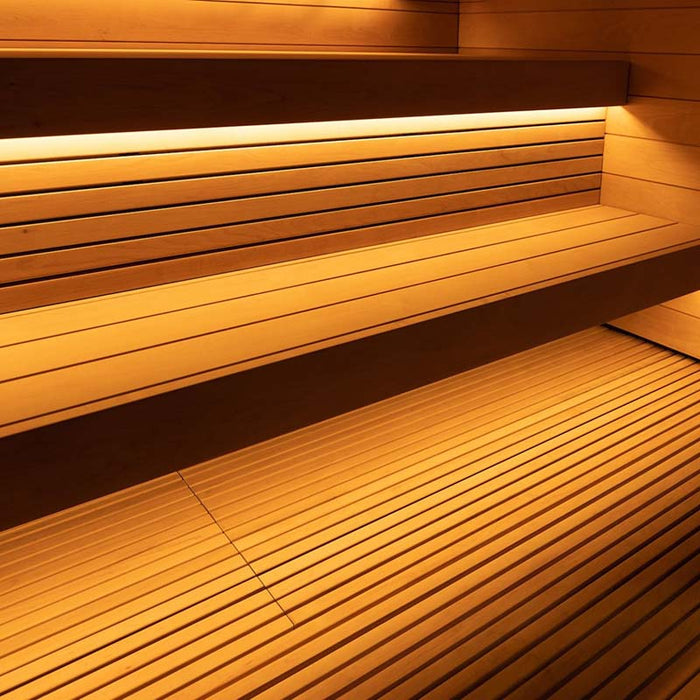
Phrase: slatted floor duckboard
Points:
(529, 528)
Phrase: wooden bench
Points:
(68, 359)
(133, 264)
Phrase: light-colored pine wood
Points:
(673, 121)
(676, 203)
(216, 225)
(282, 454)
(104, 213)
(688, 304)
(665, 325)
(74, 583)
(176, 162)
(36, 324)
(327, 469)
(70, 148)
(672, 30)
(396, 285)
(471, 6)
(304, 547)
(567, 525)
(445, 170)
(656, 161)
(148, 274)
(164, 24)
(651, 154)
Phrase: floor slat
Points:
(529, 528)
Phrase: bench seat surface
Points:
(73, 358)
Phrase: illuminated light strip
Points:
(126, 143)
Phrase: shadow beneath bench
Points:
(54, 467)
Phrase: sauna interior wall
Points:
(288, 25)
(652, 145)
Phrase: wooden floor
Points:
(526, 529)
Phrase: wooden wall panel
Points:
(653, 30)
(675, 324)
(652, 152)
(675, 121)
(653, 161)
(676, 203)
(346, 25)
(478, 6)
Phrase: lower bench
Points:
(74, 358)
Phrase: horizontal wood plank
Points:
(224, 236)
(671, 121)
(665, 75)
(665, 325)
(376, 299)
(139, 143)
(180, 94)
(676, 203)
(81, 286)
(478, 6)
(654, 161)
(231, 25)
(528, 526)
(689, 304)
(655, 30)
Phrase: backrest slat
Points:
(70, 212)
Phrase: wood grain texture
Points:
(675, 324)
(651, 161)
(270, 314)
(346, 25)
(665, 325)
(226, 236)
(116, 572)
(66, 463)
(479, 6)
(689, 304)
(94, 283)
(654, 30)
(671, 121)
(656, 161)
(131, 94)
(529, 526)
(95, 200)
(81, 219)
(69, 148)
(678, 204)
